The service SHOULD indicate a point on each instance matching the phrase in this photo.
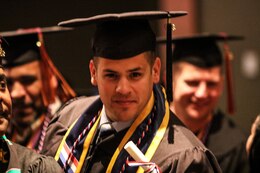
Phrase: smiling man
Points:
(198, 81)
(36, 86)
(15, 158)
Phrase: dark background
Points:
(71, 50)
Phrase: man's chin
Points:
(3, 125)
(198, 115)
(195, 114)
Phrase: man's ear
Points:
(54, 82)
(93, 72)
(156, 71)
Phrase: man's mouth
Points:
(21, 105)
(123, 101)
(4, 115)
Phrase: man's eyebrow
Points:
(130, 70)
(109, 71)
(135, 69)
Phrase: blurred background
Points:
(71, 50)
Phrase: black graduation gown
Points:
(227, 142)
(179, 151)
(24, 160)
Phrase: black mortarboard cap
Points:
(23, 44)
(121, 39)
(123, 35)
(202, 50)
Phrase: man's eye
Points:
(212, 84)
(3, 85)
(9, 82)
(111, 75)
(27, 80)
(135, 75)
(192, 83)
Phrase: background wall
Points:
(71, 50)
(240, 18)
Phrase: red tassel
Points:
(48, 68)
(229, 82)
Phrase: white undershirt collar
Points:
(117, 125)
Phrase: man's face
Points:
(5, 103)
(196, 90)
(125, 86)
(25, 87)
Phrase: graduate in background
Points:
(198, 81)
(15, 158)
(36, 86)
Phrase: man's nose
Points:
(123, 86)
(201, 91)
(17, 90)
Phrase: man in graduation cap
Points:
(131, 104)
(36, 86)
(197, 86)
(15, 158)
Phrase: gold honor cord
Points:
(63, 141)
(159, 135)
(87, 144)
(151, 150)
(130, 132)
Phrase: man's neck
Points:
(195, 125)
(118, 126)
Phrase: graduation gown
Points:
(179, 150)
(227, 142)
(33, 137)
(24, 160)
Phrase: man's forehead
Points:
(192, 71)
(137, 62)
(32, 68)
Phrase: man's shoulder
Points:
(81, 101)
(185, 138)
(180, 148)
(181, 135)
(75, 107)
(223, 125)
(225, 136)
(62, 120)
